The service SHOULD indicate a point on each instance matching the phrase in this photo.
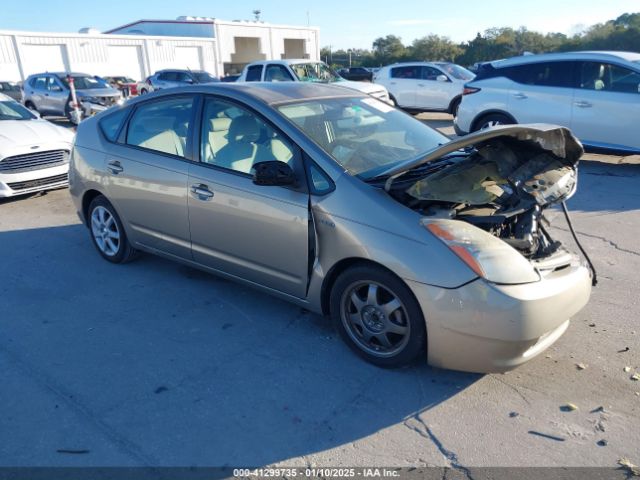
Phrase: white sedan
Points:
(34, 153)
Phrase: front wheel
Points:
(107, 232)
(492, 120)
(377, 316)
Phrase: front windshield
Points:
(85, 83)
(10, 110)
(315, 72)
(204, 77)
(364, 135)
(457, 72)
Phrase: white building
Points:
(143, 47)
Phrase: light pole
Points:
(349, 57)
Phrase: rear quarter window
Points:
(254, 73)
(110, 125)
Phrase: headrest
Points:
(244, 129)
(220, 124)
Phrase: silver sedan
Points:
(414, 245)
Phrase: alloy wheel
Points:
(105, 231)
(375, 318)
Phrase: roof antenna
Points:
(256, 15)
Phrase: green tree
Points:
(433, 48)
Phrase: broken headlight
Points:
(488, 256)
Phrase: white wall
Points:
(271, 38)
(93, 53)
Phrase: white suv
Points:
(306, 71)
(595, 94)
(425, 86)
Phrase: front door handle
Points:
(201, 191)
(115, 167)
(520, 96)
(583, 104)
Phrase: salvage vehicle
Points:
(34, 153)
(50, 94)
(348, 207)
(595, 94)
(306, 71)
(127, 85)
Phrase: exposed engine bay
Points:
(502, 184)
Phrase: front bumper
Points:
(484, 327)
(34, 181)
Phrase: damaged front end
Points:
(501, 180)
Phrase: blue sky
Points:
(343, 23)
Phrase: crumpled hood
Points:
(513, 167)
(18, 133)
(551, 138)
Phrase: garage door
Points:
(188, 57)
(126, 61)
(44, 58)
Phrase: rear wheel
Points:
(143, 91)
(107, 232)
(377, 316)
(492, 120)
(31, 106)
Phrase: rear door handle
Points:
(583, 104)
(115, 167)
(201, 191)
(520, 96)
(421, 84)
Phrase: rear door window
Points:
(162, 125)
(544, 74)
(254, 73)
(408, 72)
(39, 83)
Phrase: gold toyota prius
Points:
(413, 244)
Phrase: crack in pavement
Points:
(606, 240)
(427, 433)
(43, 380)
(512, 387)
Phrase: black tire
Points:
(124, 252)
(491, 120)
(143, 91)
(31, 106)
(455, 105)
(376, 320)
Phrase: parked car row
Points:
(595, 94)
(306, 71)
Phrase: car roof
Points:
(582, 55)
(180, 70)
(61, 74)
(421, 63)
(288, 61)
(270, 93)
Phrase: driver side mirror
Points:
(442, 78)
(189, 81)
(273, 173)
